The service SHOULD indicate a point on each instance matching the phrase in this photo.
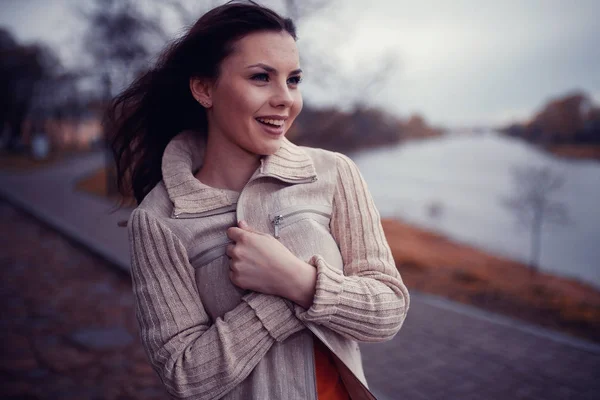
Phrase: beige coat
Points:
(207, 338)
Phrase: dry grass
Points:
(433, 264)
(25, 162)
(96, 184)
(576, 151)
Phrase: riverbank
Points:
(431, 263)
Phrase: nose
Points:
(282, 97)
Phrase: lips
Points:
(271, 121)
(270, 129)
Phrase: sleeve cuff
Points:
(274, 313)
(328, 291)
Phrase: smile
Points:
(272, 122)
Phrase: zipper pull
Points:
(276, 222)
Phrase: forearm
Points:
(206, 362)
(369, 307)
(300, 286)
(197, 357)
(366, 299)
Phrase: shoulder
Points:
(328, 158)
(156, 205)
(331, 160)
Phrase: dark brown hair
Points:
(157, 106)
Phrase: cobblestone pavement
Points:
(68, 322)
(443, 354)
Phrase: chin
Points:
(268, 146)
(271, 147)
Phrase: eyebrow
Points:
(271, 69)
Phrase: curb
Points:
(65, 229)
(498, 319)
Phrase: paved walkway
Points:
(450, 351)
(68, 322)
(49, 194)
(445, 350)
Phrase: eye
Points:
(260, 77)
(294, 80)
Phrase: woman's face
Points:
(256, 98)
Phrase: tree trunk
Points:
(111, 172)
(15, 127)
(536, 230)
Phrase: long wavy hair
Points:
(157, 106)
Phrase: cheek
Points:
(298, 103)
(238, 101)
(234, 116)
(246, 105)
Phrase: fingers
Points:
(244, 225)
(237, 233)
(229, 250)
(234, 278)
(234, 233)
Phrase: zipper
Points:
(220, 210)
(276, 222)
(209, 255)
(257, 174)
(235, 207)
(278, 218)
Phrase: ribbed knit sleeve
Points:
(368, 301)
(196, 358)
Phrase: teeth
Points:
(277, 122)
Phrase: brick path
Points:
(55, 296)
(443, 354)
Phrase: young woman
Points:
(257, 264)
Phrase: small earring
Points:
(204, 104)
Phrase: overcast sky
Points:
(459, 63)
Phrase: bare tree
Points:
(328, 76)
(532, 204)
(356, 88)
(119, 42)
(300, 10)
(435, 210)
(322, 64)
(24, 69)
(188, 11)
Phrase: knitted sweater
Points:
(207, 338)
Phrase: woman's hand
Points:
(261, 263)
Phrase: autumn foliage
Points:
(571, 119)
(358, 129)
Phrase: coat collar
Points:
(184, 154)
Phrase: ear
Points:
(201, 89)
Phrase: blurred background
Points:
(476, 125)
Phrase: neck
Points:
(226, 165)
